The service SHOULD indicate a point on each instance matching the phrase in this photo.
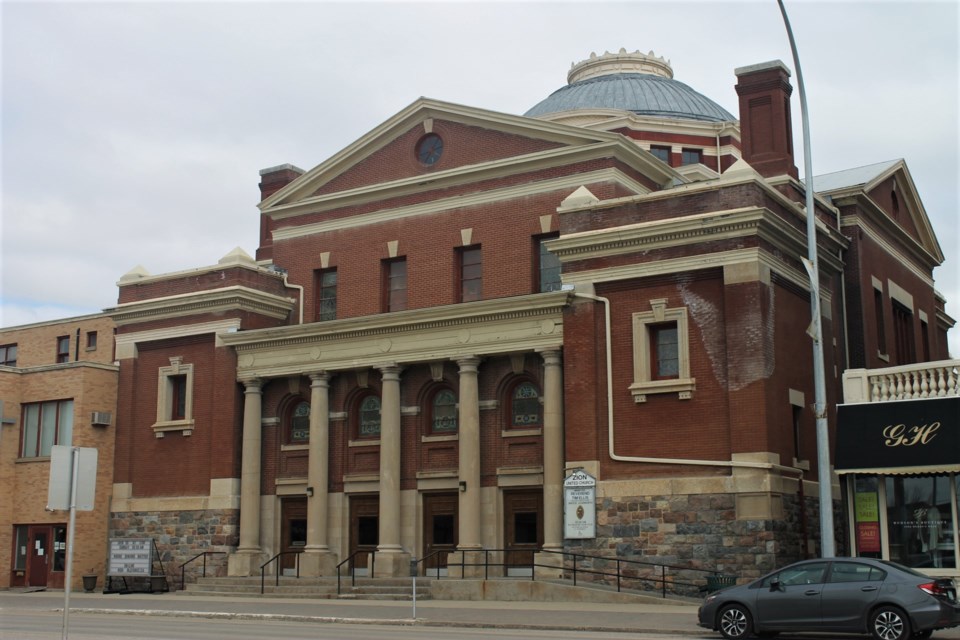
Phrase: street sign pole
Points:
(74, 473)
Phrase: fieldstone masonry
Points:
(181, 535)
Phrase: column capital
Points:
(550, 356)
(389, 371)
(252, 385)
(468, 363)
(320, 379)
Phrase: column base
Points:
(245, 563)
(390, 564)
(318, 563)
(548, 566)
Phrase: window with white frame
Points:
(175, 398)
(661, 357)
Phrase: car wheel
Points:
(735, 622)
(889, 623)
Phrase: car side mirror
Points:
(774, 585)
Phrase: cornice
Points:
(868, 230)
(690, 230)
(876, 215)
(572, 181)
(416, 320)
(48, 368)
(694, 263)
(214, 301)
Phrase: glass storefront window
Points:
(866, 504)
(920, 522)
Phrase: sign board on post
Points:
(580, 506)
(61, 477)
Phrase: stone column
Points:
(469, 463)
(553, 463)
(317, 560)
(390, 559)
(246, 561)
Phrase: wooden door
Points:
(38, 556)
(364, 528)
(293, 531)
(440, 530)
(523, 528)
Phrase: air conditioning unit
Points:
(100, 418)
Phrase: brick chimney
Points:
(766, 130)
(272, 180)
(275, 178)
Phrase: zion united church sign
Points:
(909, 436)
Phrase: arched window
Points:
(525, 409)
(444, 413)
(368, 423)
(299, 429)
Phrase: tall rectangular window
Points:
(878, 319)
(664, 351)
(395, 284)
(691, 156)
(925, 340)
(8, 355)
(325, 285)
(178, 401)
(903, 334)
(91, 340)
(63, 349)
(548, 267)
(662, 153)
(471, 274)
(44, 425)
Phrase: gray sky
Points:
(133, 133)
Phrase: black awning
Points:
(907, 436)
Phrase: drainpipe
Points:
(298, 287)
(718, 151)
(740, 464)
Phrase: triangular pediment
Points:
(892, 195)
(476, 145)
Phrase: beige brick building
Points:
(58, 385)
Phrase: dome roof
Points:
(642, 84)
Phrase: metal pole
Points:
(816, 330)
(74, 474)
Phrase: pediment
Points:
(476, 144)
(891, 200)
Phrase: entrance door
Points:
(38, 556)
(523, 535)
(439, 531)
(364, 528)
(293, 531)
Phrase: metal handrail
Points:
(275, 559)
(424, 559)
(620, 574)
(204, 575)
(353, 572)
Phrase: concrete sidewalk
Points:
(570, 616)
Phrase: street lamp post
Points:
(816, 329)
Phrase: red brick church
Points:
(447, 317)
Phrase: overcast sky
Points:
(133, 133)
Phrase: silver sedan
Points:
(851, 595)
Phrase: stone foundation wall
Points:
(181, 535)
(693, 536)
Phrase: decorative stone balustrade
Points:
(923, 380)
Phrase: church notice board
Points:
(131, 558)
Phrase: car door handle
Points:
(868, 589)
(811, 592)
